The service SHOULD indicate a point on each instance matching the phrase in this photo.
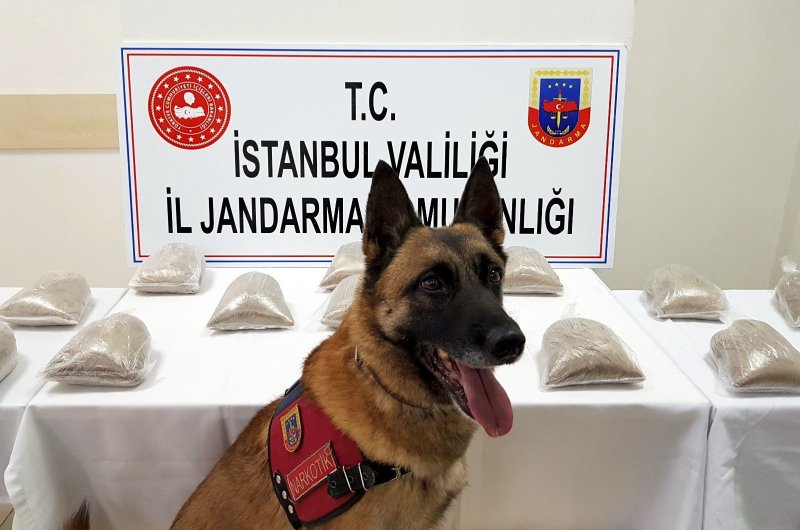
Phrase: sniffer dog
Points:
(406, 377)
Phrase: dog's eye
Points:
(431, 283)
(495, 275)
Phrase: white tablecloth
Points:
(35, 346)
(610, 457)
(589, 458)
(753, 468)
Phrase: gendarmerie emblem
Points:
(292, 429)
(559, 107)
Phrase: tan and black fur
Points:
(392, 405)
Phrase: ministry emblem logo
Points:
(189, 107)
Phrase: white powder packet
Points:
(580, 351)
(348, 261)
(114, 351)
(340, 300)
(676, 291)
(528, 272)
(8, 350)
(175, 268)
(252, 301)
(787, 293)
(752, 356)
(56, 299)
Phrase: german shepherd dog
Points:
(428, 327)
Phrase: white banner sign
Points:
(264, 155)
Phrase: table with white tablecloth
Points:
(753, 468)
(35, 347)
(604, 457)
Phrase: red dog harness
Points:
(317, 471)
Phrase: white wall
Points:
(62, 210)
(56, 47)
(789, 236)
(712, 128)
(710, 172)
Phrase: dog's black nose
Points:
(505, 343)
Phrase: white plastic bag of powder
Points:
(56, 299)
(254, 300)
(175, 268)
(348, 261)
(114, 351)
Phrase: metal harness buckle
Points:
(397, 474)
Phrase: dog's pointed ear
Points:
(480, 204)
(390, 215)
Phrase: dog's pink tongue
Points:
(487, 400)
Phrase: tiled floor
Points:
(6, 516)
